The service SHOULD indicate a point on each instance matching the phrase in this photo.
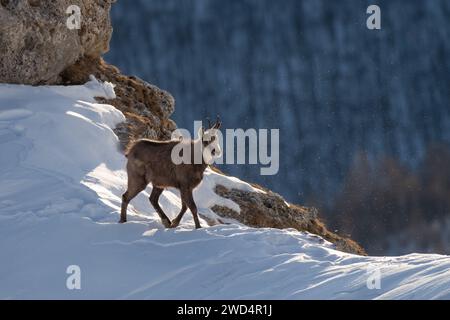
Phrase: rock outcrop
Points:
(270, 210)
(36, 44)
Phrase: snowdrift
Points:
(61, 180)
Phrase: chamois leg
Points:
(154, 197)
(135, 186)
(177, 220)
(186, 197)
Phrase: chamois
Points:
(151, 161)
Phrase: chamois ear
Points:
(218, 124)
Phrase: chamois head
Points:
(209, 139)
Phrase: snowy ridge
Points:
(61, 179)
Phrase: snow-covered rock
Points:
(61, 180)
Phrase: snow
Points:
(61, 180)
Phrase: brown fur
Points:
(150, 161)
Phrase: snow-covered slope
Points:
(61, 179)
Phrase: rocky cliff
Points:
(36, 45)
(38, 48)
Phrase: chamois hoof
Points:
(174, 224)
(122, 221)
(167, 223)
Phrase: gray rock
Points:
(270, 210)
(36, 45)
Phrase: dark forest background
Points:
(364, 115)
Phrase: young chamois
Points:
(151, 162)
